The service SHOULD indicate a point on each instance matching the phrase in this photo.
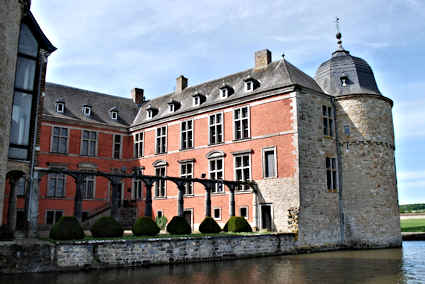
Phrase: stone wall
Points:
(370, 199)
(10, 18)
(43, 256)
(319, 218)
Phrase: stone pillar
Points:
(78, 200)
(115, 199)
(148, 203)
(208, 200)
(32, 206)
(180, 208)
(232, 200)
(11, 210)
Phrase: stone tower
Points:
(367, 185)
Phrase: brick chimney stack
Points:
(262, 58)
(138, 96)
(181, 83)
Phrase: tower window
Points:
(344, 80)
(347, 130)
(331, 174)
(328, 121)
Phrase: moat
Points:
(406, 265)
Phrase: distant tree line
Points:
(412, 208)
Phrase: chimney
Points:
(181, 83)
(138, 96)
(262, 58)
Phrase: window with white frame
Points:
(216, 128)
(87, 110)
(186, 171)
(137, 189)
(249, 85)
(117, 146)
(171, 107)
(161, 140)
(216, 172)
(53, 216)
(269, 162)
(88, 187)
(196, 100)
(88, 143)
(60, 107)
(186, 134)
(241, 123)
(60, 140)
(328, 121)
(114, 115)
(217, 213)
(331, 174)
(149, 113)
(224, 93)
(243, 212)
(242, 169)
(56, 186)
(138, 145)
(160, 185)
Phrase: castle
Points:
(320, 150)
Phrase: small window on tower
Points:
(347, 130)
(344, 80)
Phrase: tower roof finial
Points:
(338, 34)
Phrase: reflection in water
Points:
(405, 265)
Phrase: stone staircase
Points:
(128, 217)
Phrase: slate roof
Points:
(101, 104)
(360, 78)
(277, 74)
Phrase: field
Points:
(412, 225)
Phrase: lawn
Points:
(412, 225)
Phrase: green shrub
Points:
(145, 226)
(106, 227)
(161, 222)
(209, 226)
(6, 234)
(67, 228)
(179, 226)
(238, 224)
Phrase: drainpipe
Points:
(339, 165)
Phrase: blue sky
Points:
(113, 46)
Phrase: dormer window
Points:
(150, 112)
(173, 106)
(224, 93)
(114, 115)
(250, 84)
(344, 80)
(197, 99)
(60, 107)
(87, 110)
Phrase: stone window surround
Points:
(55, 196)
(89, 139)
(247, 211)
(332, 170)
(264, 150)
(240, 121)
(328, 121)
(190, 175)
(216, 172)
(138, 139)
(216, 127)
(217, 209)
(187, 131)
(120, 145)
(67, 139)
(159, 165)
(89, 178)
(241, 154)
(136, 187)
(158, 138)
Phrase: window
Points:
(347, 130)
(88, 187)
(327, 121)
(186, 171)
(196, 100)
(137, 189)
(56, 186)
(52, 216)
(87, 110)
(243, 212)
(243, 169)
(241, 123)
(138, 145)
(249, 85)
(60, 107)
(171, 107)
(160, 185)
(216, 128)
(26, 86)
(216, 172)
(20, 187)
(149, 114)
(161, 140)
(114, 115)
(224, 93)
(187, 134)
(344, 80)
(331, 173)
(269, 162)
(88, 143)
(217, 213)
(117, 146)
(60, 140)
(159, 214)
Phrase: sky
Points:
(113, 46)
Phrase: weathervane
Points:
(338, 34)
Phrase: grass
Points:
(412, 225)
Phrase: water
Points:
(405, 265)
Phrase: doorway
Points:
(266, 217)
(188, 215)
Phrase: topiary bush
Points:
(161, 222)
(238, 224)
(106, 227)
(145, 226)
(6, 234)
(67, 228)
(179, 226)
(209, 226)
